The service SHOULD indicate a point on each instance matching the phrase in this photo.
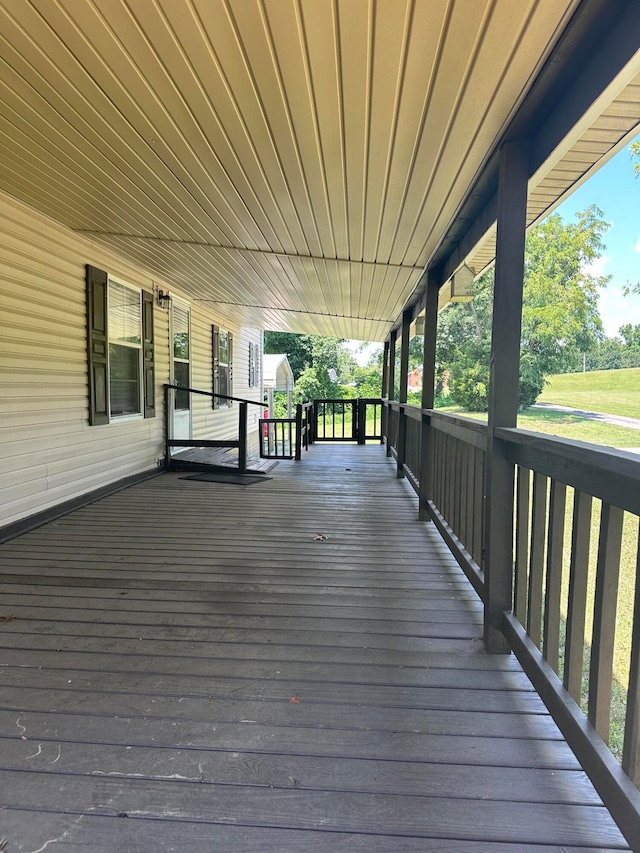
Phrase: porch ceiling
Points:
(299, 159)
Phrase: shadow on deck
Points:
(289, 666)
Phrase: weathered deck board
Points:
(162, 634)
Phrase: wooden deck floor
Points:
(290, 666)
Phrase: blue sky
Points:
(617, 192)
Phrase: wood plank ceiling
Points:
(295, 160)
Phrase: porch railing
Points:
(576, 509)
(170, 392)
(286, 438)
(350, 419)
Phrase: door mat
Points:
(232, 479)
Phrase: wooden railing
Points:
(285, 438)
(349, 419)
(556, 597)
(170, 393)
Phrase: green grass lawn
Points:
(566, 425)
(616, 392)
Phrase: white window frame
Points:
(224, 404)
(139, 415)
(186, 307)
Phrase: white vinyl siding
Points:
(222, 423)
(48, 451)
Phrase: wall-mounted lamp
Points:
(164, 299)
(462, 284)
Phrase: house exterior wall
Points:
(48, 451)
(223, 422)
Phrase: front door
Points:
(181, 368)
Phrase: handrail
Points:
(217, 396)
(240, 443)
(606, 473)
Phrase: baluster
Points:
(577, 602)
(553, 587)
(631, 748)
(536, 555)
(478, 507)
(604, 619)
(523, 489)
(469, 489)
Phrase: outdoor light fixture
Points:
(462, 284)
(164, 300)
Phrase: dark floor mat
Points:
(231, 478)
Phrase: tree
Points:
(298, 349)
(634, 153)
(560, 319)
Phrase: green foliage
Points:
(634, 153)
(280, 404)
(311, 358)
(368, 380)
(616, 353)
(560, 319)
(298, 349)
(315, 384)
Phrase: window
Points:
(222, 351)
(181, 353)
(254, 354)
(125, 350)
(120, 349)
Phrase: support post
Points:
(242, 438)
(402, 394)
(385, 371)
(503, 389)
(384, 410)
(391, 377)
(428, 385)
(298, 453)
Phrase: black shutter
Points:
(230, 382)
(148, 361)
(215, 363)
(97, 346)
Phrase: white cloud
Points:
(636, 248)
(596, 267)
(617, 309)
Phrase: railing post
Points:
(311, 422)
(167, 429)
(428, 384)
(402, 395)
(361, 409)
(503, 389)
(298, 453)
(242, 438)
